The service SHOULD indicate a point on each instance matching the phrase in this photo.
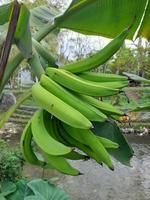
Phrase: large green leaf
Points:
(5, 12)
(111, 131)
(21, 192)
(35, 197)
(47, 190)
(7, 188)
(4, 117)
(22, 36)
(145, 27)
(103, 17)
(2, 197)
(136, 77)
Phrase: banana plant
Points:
(90, 17)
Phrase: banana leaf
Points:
(5, 12)
(22, 35)
(104, 17)
(41, 16)
(145, 26)
(111, 131)
(136, 77)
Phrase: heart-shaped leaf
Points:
(2, 197)
(7, 188)
(35, 197)
(47, 190)
(21, 192)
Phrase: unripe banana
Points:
(102, 77)
(74, 143)
(104, 107)
(78, 84)
(48, 120)
(87, 110)
(61, 164)
(43, 139)
(112, 84)
(98, 58)
(51, 127)
(58, 108)
(88, 138)
(26, 147)
(74, 155)
(108, 144)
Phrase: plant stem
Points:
(12, 65)
(35, 64)
(44, 32)
(44, 53)
(9, 38)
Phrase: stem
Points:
(9, 38)
(44, 32)
(12, 65)
(35, 64)
(44, 53)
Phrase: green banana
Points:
(74, 143)
(88, 138)
(102, 77)
(26, 147)
(78, 84)
(108, 144)
(87, 110)
(104, 107)
(109, 84)
(43, 139)
(112, 85)
(73, 155)
(100, 57)
(58, 108)
(61, 164)
(48, 120)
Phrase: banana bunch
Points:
(68, 99)
(57, 142)
(64, 122)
